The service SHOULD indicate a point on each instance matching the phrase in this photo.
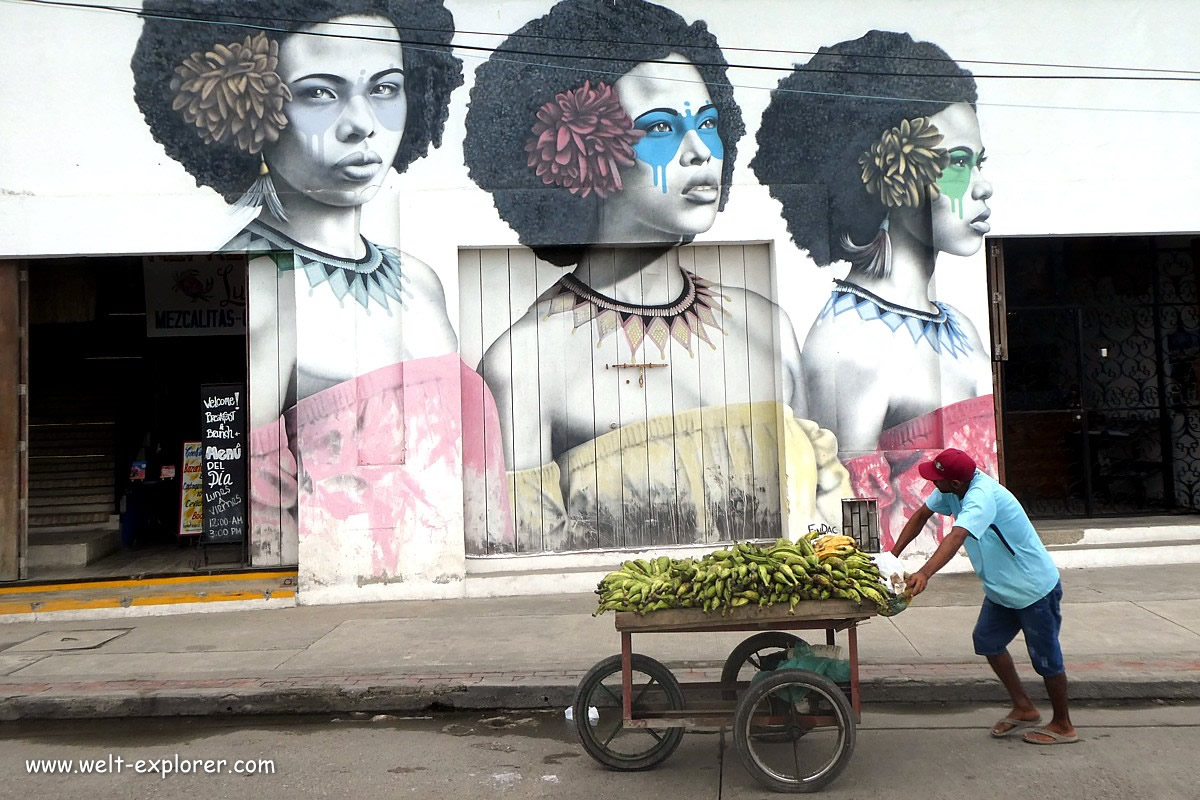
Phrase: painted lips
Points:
(359, 166)
(980, 224)
(701, 191)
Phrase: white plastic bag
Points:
(593, 715)
(892, 570)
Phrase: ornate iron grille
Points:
(1102, 408)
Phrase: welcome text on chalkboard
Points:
(224, 463)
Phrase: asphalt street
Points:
(1129, 752)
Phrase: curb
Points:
(445, 697)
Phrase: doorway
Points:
(120, 351)
(1099, 389)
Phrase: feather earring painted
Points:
(873, 258)
(262, 192)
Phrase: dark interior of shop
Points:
(1101, 413)
(105, 397)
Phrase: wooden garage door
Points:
(666, 448)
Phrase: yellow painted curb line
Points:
(131, 584)
(26, 607)
(204, 597)
(16, 608)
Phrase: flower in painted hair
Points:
(905, 163)
(581, 139)
(233, 92)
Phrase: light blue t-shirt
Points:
(1004, 548)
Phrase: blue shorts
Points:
(998, 626)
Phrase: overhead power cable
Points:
(499, 54)
(188, 16)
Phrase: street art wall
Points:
(556, 276)
(357, 391)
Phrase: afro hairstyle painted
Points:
(577, 41)
(824, 115)
(174, 29)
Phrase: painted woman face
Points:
(674, 188)
(347, 113)
(957, 220)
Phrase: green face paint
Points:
(956, 177)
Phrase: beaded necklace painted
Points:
(376, 276)
(686, 319)
(942, 331)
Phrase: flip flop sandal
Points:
(1055, 738)
(1018, 725)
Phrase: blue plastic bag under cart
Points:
(802, 655)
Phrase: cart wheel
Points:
(784, 763)
(762, 651)
(606, 739)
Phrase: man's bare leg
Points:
(1056, 687)
(1023, 707)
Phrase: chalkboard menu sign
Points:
(225, 459)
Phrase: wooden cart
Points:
(793, 729)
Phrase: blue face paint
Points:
(665, 129)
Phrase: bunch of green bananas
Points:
(811, 568)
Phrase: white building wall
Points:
(82, 175)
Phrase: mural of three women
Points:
(606, 160)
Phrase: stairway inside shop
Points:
(72, 506)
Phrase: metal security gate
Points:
(1101, 408)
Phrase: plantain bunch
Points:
(815, 567)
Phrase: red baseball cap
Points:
(948, 465)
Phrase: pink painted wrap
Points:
(890, 474)
(388, 455)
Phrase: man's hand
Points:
(916, 584)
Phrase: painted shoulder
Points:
(962, 320)
(423, 279)
(757, 307)
(498, 360)
(516, 351)
(762, 312)
(751, 300)
(247, 241)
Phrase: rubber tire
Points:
(656, 754)
(752, 697)
(759, 641)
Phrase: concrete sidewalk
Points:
(1129, 633)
